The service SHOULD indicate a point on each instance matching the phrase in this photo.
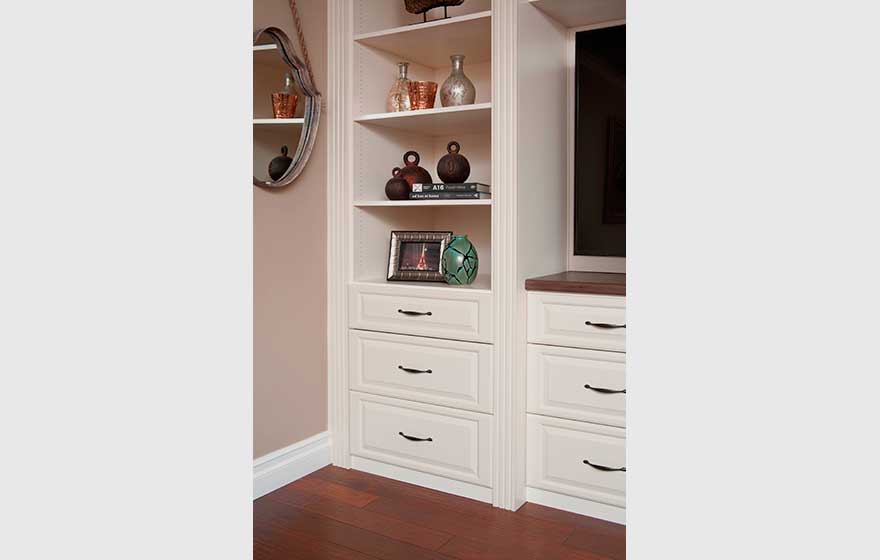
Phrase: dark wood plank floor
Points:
(344, 514)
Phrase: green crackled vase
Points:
(460, 261)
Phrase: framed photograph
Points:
(415, 255)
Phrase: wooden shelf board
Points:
(277, 122)
(440, 121)
(430, 44)
(483, 283)
(474, 202)
(581, 13)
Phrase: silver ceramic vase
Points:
(398, 98)
(457, 89)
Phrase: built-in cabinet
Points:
(576, 442)
(430, 383)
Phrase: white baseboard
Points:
(274, 470)
(576, 505)
(419, 478)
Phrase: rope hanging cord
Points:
(302, 40)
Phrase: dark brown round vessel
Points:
(397, 188)
(279, 164)
(453, 167)
(411, 171)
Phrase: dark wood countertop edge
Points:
(553, 283)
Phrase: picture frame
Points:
(416, 256)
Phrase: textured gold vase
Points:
(398, 96)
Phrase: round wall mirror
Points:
(287, 110)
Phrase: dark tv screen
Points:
(600, 143)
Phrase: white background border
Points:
(752, 262)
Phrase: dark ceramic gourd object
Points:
(397, 188)
(411, 171)
(453, 167)
(279, 164)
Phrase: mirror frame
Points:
(311, 111)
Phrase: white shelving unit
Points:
(581, 13)
(439, 121)
(423, 203)
(429, 44)
(511, 52)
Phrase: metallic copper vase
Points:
(284, 101)
(284, 105)
(422, 94)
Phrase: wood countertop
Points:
(603, 283)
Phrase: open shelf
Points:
(372, 226)
(278, 121)
(440, 121)
(474, 202)
(430, 44)
(482, 283)
(379, 149)
(581, 13)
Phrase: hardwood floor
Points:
(341, 514)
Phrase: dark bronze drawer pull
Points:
(606, 391)
(604, 468)
(604, 325)
(412, 438)
(415, 313)
(411, 370)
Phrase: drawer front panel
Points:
(443, 372)
(460, 444)
(463, 314)
(580, 321)
(558, 379)
(557, 449)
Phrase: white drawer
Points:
(557, 450)
(463, 314)
(577, 384)
(578, 320)
(443, 372)
(460, 445)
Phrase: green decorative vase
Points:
(460, 261)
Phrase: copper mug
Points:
(284, 105)
(422, 94)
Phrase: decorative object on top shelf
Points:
(453, 167)
(284, 101)
(422, 94)
(279, 164)
(460, 261)
(457, 89)
(422, 6)
(398, 96)
(300, 73)
(397, 188)
(412, 172)
(416, 255)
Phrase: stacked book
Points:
(450, 191)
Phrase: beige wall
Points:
(290, 263)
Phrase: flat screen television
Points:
(600, 143)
